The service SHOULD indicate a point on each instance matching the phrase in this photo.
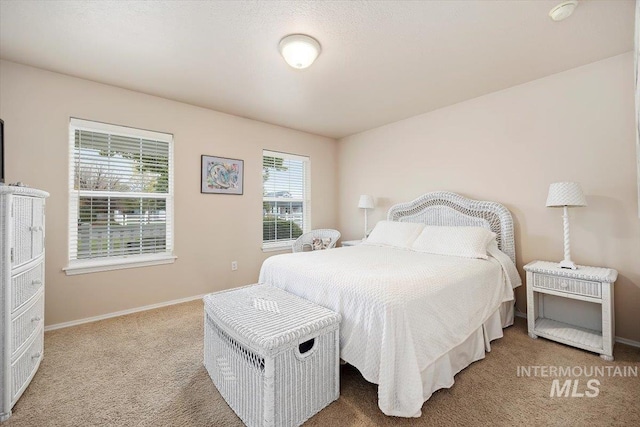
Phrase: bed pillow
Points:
(467, 242)
(395, 234)
(318, 244)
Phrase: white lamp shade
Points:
(565, 194)
(366, 202)
(299, 50)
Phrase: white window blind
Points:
(121, 194)
(286, 202)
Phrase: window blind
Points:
(286, 205)
(121, 192)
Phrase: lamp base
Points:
(565, 263)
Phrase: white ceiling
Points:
(381, 61)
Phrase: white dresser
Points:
(22, 285)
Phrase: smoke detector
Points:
(563, 10)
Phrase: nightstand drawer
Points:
(568, 285)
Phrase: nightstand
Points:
(351, 242)
(585, 286)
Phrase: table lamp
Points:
(565, 195)
(366, 203)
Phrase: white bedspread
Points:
(401, 309)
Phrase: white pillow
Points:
(468, 242)
(396, 234)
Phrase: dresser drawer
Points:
(26, 324)
(568, 285)
(23, 368)
(25, 285)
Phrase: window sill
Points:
(94, 266)
(277, 248)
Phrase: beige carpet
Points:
(146, 369)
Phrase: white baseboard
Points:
(120, 313)
(187, 299)
(626, 341)
(621, 340)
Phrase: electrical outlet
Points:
(234, 265)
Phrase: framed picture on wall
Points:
(637, 66)
(221, 175)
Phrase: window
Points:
(120, 197)
(286, 199)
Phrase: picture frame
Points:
(636, 54)
(1, 151)
(221, 175)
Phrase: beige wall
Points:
(211, 230)
(509, 146)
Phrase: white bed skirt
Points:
(440, 374)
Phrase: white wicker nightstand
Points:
(587, 284)
(351, 242)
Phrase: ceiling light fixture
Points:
(563, 10)
(299, 50)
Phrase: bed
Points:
(411, 320)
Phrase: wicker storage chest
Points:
(273, 356)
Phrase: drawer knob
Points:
(35, 355)
(36, 319)
(564, 284)
(35, 228)
(36, 282)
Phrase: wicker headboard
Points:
(446, 208)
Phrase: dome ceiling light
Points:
(563, 10)
(299, 50)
